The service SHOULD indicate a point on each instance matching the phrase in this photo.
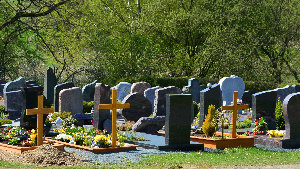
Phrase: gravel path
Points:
(116, 157)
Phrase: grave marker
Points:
(194, 89)
(230, 84)
(49, 83)
(40, 111)
(139, 87)
(123, 89)
(88, 91)
(70, 100)
(57, 89)
(114, 106)
(150, 95)
(235, 107)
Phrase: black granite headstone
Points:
(88, 91)
(57, 89)
(263, 105)
(14, 103)
(178, 118)
(247, 98)
(49, 84)
(209, 96)
(283, 92)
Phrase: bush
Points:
(2, 109)
(87, 106)
(244, 124)
(63, 115)
(259, 86)
(196, 108)
(210, 125)
(279, 119)
(5, 121)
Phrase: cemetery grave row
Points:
(150, 109)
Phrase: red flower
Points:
(255, 120)
(254, 133)
(259, 118)
(256, 123)
(256, 127)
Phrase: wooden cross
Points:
(114, 106)
(40, 111)
(235, 107)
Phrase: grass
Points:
(228, 157)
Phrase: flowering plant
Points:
(275, 133)
(260, 127)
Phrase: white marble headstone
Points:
(230, 84)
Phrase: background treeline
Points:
(155, 41)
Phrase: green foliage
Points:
(196, 108)
(210, 125)
(5, 121)
(2, 109)
(279, 118)
(87, 106)
(14, 140)
(243, 124)
(63, 115)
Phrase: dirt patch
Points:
(45, 155)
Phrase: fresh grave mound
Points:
(47, 155)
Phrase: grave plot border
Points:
(240, 141)
(96, 150)
(19, 150)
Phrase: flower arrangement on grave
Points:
(195, 123)
(33, 137)
(276, 133)
(261, 127)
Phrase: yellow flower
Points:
(32, 137)
(32, 131)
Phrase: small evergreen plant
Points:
(279, 119)
(210, 124)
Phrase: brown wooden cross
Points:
(114, 106)
(235, 107)
(40, 111)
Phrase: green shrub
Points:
(2, 109)
(5, 121)
(243, 124)
(259, 86)
(87, 106)
(210, 125)
(279, 119)
(196, 108)
(62, 115)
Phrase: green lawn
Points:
(230, 157)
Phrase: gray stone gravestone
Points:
(123, 89)
(291, 112)
(15, 103)
(247, 98)
(139, 107)
(150, 95)
(139, 87)
(102, 96)
(15, 85)
(230, 84)
(209, 96)
(160, 99)
(283, 92)
(149, 125)
(194, 89)
(263, 105)
(70, 100)
(57, 89)
(49, 83)
(88, 91)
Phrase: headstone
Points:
(1, 89)
(70, 100)
(160, 99)
(88, 91)
(83, 119)
(57, 90)
(178, 119)
(15, 85)
(31, 83)
(263, 105)
(15, 103)
(230, 84)
(2, 81)
(49, 83)
(247, 98)
(150, 95)
(283, 92)
(107, 124)
(139, 87)
(149, 125)
(296, 88)
(123, 89)
(194, 89)
(291, 112)
(102, 96)
(209, 96)
(139, 107)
